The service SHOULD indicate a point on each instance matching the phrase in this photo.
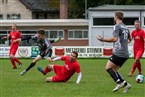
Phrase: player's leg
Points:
(138, 54)
(48, 55)
(49, 79)
(46, 70)
(127, 86)
(11, 58)
(55, 78)
(113, 64)
(134, 65)
(110, 68)
(13, 63)
(16, 59)
(31, 65)
(138, 57)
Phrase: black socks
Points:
(30, 66)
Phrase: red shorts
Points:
(138, 53)
(58, 77)
(13, 50)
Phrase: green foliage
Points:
(96, 82)
(76, 8)
(53, 4)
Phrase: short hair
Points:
(119, 14)
(41, 31)
(15, 24)
(76, 53)
(137, 21)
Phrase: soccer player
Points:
(15, 37)
(120, 39)
(139, 38)
(63, 73)
(44, 46)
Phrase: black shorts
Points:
(119, 61)
(44, 54)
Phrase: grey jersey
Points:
(120, 47)
(42, 44)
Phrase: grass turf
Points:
(96, 82)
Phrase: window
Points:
(14, 16)
(110, 21)
(1, 16)
(130, 20)
(41, 15)
(28, 32)
(52, 34)
(103, 21)
(4, 1)
(77, 34)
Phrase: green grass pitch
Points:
(96, 82)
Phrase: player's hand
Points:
(14, 41)
(5, 37)
(50, 60)
(100, 38)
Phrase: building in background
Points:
(101, 20)
(74, 32)
(27, 9)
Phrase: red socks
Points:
(17, 60)
(46, 70)
(139, 67)
(13, 63)
(13, 60)
(136, 65)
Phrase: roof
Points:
(118, 7)
(46, 22)
(38, 5)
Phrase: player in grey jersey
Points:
(44, 46)
(120, 39)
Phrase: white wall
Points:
(106, 31)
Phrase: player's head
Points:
(137, 24)
(73, 56)
(41, 34)
(118, 15)
(14, 27)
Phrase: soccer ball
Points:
(139, 78)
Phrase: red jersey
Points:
(138, 36)
(14, 35)
(69, 68)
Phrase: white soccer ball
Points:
(139, 78)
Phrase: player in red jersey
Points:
(15, 37)
(63, 73)
(139, 38)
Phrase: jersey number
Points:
(125, 34)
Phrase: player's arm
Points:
(53, 60)
(26, 38)
(130, 37)
(17, 40)
(102, 39)
(79, 78)
(30, 37)
(6, 37)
